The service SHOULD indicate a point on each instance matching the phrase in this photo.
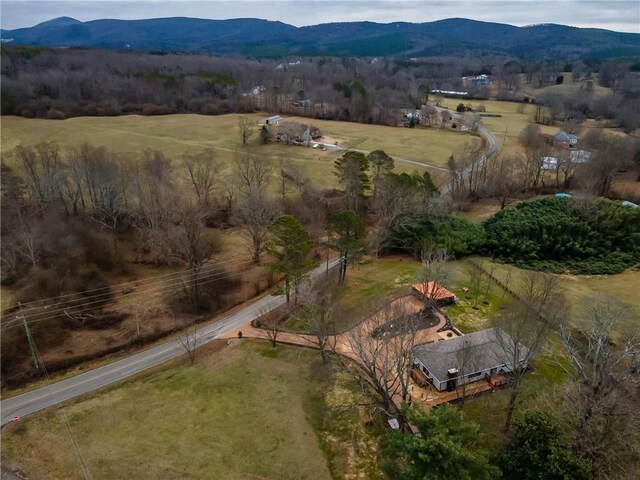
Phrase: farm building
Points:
(433, 291)
(580, 156)
(564, 140)
(469, 358)
(273, 120)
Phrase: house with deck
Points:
(450, 363)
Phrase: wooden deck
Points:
(428, 397)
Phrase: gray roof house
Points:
(468, 358)
(563, 139)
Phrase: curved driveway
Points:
(69, 388)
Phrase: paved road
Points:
(69, 388)
(494, 146)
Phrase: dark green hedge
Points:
(566, 235)
(410, 234)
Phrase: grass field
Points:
(582, 292)
(175, 135)
(506, 128)
(375, 280)
(245, 412)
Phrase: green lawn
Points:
(368, 284)
(583, 291)
(243, 412)
(175, 135)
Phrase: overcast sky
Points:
(620, 15)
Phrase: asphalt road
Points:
(69, 388)
(494, 146)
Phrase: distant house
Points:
(580, 156)
(274, 120)
(564, 140)
(460, 360)
(303, 104)
(297, 133)
(433, 291)
(450, 93)
(411, 118)
(482, 80)
(549, 163)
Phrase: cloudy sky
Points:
(620, 15)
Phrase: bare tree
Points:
(445, 118)
(154, 196)
(189, 341)
(43, 172)
(535, 148)
(246, 128)
(524, 326)
(503, 183)
(433, 275)
(319, 318)
(191, 244)
(382, 349)
(254, 210)
(612, 155)
(203, 171)
(269, 321)
(28, 242)
(602, 416)
(466, 360)
(475, 283)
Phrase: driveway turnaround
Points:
(69, 388)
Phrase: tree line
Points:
(60, 83)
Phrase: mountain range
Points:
(264, 38)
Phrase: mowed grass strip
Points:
(236, 414)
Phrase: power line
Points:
(153, 279)
(76, 446)
(35, 318)
(148, 284)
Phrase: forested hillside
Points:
(262, 38)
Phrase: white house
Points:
(549, 163)
(468, 358)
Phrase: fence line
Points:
(506, 288)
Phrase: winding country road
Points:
(494, 147)
(69, 388)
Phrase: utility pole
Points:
(32, 345)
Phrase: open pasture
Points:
(242, 412)
(176, 135)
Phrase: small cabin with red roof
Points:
(433, 291)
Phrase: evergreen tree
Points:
(444, 449)
(351, 170)
(538, 452)
(347, 233)
(289, 245)
(381, 164)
